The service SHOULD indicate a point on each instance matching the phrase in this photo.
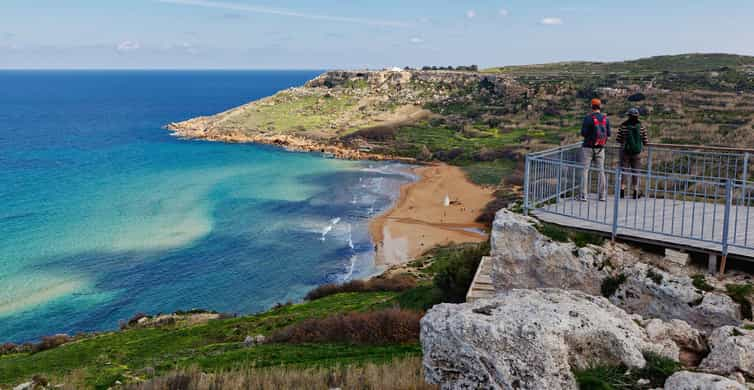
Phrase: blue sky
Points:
(356, 34)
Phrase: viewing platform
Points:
(692, 198)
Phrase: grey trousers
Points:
(594, 156)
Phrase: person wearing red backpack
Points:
(596, 131)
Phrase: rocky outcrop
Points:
(731, 351)
(521, 257)
(653, 293)
(685, 380)
(528, 339)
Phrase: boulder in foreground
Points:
(529, 339)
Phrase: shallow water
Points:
(104, 214)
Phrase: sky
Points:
(340, 34)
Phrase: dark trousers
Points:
(630, 163)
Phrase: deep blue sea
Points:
(103, 214)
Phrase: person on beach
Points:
(632, 138)
(595, 130)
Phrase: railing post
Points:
(527, 171)
(560, 176)
(726, 222)
(616, 202)
(745, 176)
(648, 181)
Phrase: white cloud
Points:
(470, 14)
(416, 40)
(283, 12)
(127, 46)
(504, 12)
(551, 21)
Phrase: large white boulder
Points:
(731, 351)
(522, 257)
(653, 293)
(529, 339)
(685, 380)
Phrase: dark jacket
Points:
(623, 132)
(588, 130)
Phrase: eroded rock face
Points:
(731, 351)
(521, 257)
(528, 339)
(653, 293)
(524, 258)
(685, 380)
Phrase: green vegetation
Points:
(456, 271)
(611, 284)
(216, 345)
(356, 323)
(561, 234)
(654, 276)
(700, 282)
(657, 371)
(740, 294)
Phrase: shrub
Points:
(554, 232)
(610, 285)
(654, 276)
(8, 348)
(50, 342)
(503, 198)
(740, 294)
(582, 239)
(657, 369)
(395, 283)
(604, 377)
(389, 326)
(456, 274)
(700, 282)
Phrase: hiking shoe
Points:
(602, 198)
(582, 198)
(637, 195)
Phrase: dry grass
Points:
(389, 326)
(399, 374)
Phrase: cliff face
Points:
(338, 103)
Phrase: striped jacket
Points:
(623, 134)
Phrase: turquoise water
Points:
(104, 214)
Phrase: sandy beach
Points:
(420, 220)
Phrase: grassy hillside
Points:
(484, 121)
(215, 346)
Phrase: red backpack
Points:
(600, 130)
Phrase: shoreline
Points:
(419, 220)
(289, 142)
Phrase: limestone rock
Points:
(528, 339)
(680, 332)
(654, 293)
(731, 351)
(685, 380)
(524, 258)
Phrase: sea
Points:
(104, 214)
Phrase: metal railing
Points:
(700, 194)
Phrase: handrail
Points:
(691, 192)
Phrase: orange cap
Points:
(596, 102)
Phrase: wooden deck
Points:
(481, 287)
(696, 226)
